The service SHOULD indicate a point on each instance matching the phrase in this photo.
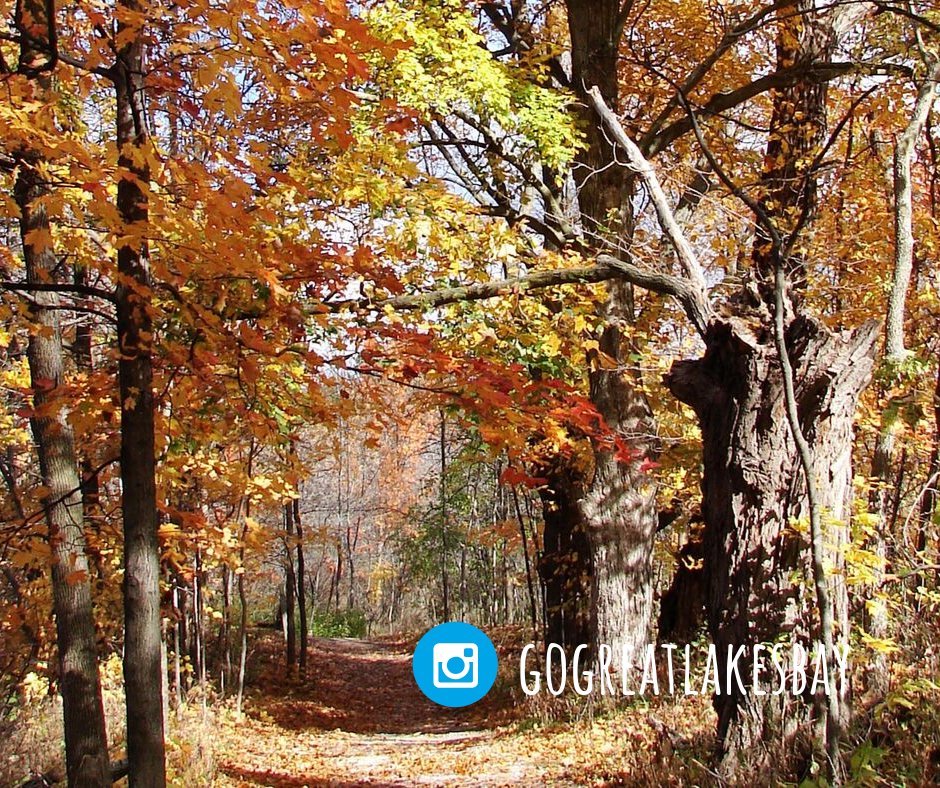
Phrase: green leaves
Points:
(443, 68)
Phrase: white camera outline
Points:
(442, 653)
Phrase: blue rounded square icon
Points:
(454, 664)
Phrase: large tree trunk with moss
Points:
(86, 743)
(759, 580)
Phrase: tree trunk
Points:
(883, 459)
(530, 588)
(928, 502)
(443, 501)
(301, 589)
(142, 664)
(290, 587)
(620, 509)
(242, 623)
(759, 574)
(198, 652)
(565, 568)
(86, 743)
(91, 488)
(337, 575)
(615, 513)
(759, 580)
(177, 645)
(225, 638)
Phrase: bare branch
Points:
(607, 267)
(688, 261)
(903, 212)
(698, 73)
(482, 290)
(656, 141)
(52, 287)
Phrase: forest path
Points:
(358, 718)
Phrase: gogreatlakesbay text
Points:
(759, 669)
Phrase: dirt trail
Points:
(359, 719)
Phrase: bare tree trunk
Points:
(352, 542)
(243, 642)
(894, 356)
(86, 743)
(616, 513)
(528, 565)
(181, 601)
(242, 627)
(443, 503)
(338, 574)
(242, 596)
(301, 586)
(198, 628)
(85, 739)
(177, 645)
(290, 587)
(928, 501)
(225, 639)
(142, 664)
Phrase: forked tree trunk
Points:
(759, 581)
(760, 584)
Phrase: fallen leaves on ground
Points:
(357, 718)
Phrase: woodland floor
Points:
(359, 719)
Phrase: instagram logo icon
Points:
(454, 664)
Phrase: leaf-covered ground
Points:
(358, 719)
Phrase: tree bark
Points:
(759, 581)
(530, 588)
(225, 628)
(86, 745)
(142, 636)
(758, 571)
(883, 458)
(86, 742)
(290, 587)
(301, 586)
(615, 513)
(565, 567)
(928, 502)
(91, 488)
(445, 590)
